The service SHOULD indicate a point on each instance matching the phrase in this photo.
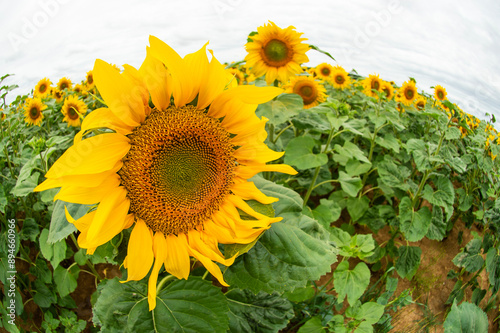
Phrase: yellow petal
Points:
(208, 249)
(88, 195)
(209, 265)
(119, 93)
(83, 223)
(133, 75)
(96, 154)
(177, 260)
(110, 217)
(256, 153)
(213, 84)
(157, 79)
(102, 118)
(248, 191)
(248, 171)
(139, 252)
(197, 66)
(160, 252)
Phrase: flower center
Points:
(34, 113)
(276, 53)
(64, 85)
(179, 169)
(72, 114)
(43, 88)
(325, 71)
(307, 91)
(409, 94)
(375, 85)
(440, 95)
(420, 105)
(90, 79)
(339, 79)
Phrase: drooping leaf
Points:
(192, 305)
(262, 312)
(470, 258)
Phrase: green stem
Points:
(281, 132)
(311, 187)
(163, 281)
(87, 261)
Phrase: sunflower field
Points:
(262, 195)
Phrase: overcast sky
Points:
(451, 43)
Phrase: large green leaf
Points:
(193, 305)
(299, 152)
(348, 151)
(350, 185)
(286, 256)
(466, 318)
(289, 200)
(281, 109)
(262, 312)
(470, 258)
(443, 196)
(393, 175)
(313, 325)
(437, 229)
(65, 279)
(414, 224)
(408, 261)
(351, 283)
(56, 252)
(60, 228)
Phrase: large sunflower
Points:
(177, 173)
(73, 109)
(311, 91)
(33, 111)
(440, 93)
(408, 92)
(64, 83)
(42, 88)
(340, 79)
(275, 52)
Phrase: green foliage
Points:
(466, 318)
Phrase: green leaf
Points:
(388, 141)
(465, 318)
(262, 312)
(289, 200)
(281, 109)
(357, 207)
(414, 224)
(437, 229)
(25, 187)
(321, 51)
(470, 258)
(393, 175)
(444, 195)
(313, 325)
(285, 257)
(300, 294)
(3, 199)
(493, 268)
(408, 261)
(60, 228)
(356, 168)
(352, 283)
(30, 229)
(344, 153)
(192, 305)
(452, 133)
(43, 297)
(350, 185)
(370, 312)
(299, 152)
(65, 279)
(41, 271)
(418, 149)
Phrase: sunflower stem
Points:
(87, 261)
(163, 281)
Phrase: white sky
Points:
(451, 43)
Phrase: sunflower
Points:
(324, 71)
(440, 93)
(276, 52)
(73, 109)
(311, 91)
(33, 111)
(64, 83)
(372, 82)
(89, 80)
(42, 88)
(408, 92)
(177, 173)
(420, 102)
(237, 75)
(388, 89)
(340, 79)
(57, 94)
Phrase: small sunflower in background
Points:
(307, 87)
(324, 71)
(408, 92)
(42, 88)
(388, 90)
(440, 93)
(420, 102)
(275, 52)
(340, 78)
(73, 109)
(33, 111)
(57, 94)
(89, 80)
(64, 83)
(372, 82)
(238, 75)
(177, 173)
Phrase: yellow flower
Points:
(372, 82)
(73, 109)
(324, 71)
(42, 88)
(339, 78)
(276, 53)
(408, 92)
(237, 75)
(33, 111)
(440, 93)
(388, 89)
(64, 83)
(89, 80)
(420, 102)
(176, 173)
(311, 91)
(57, 94)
